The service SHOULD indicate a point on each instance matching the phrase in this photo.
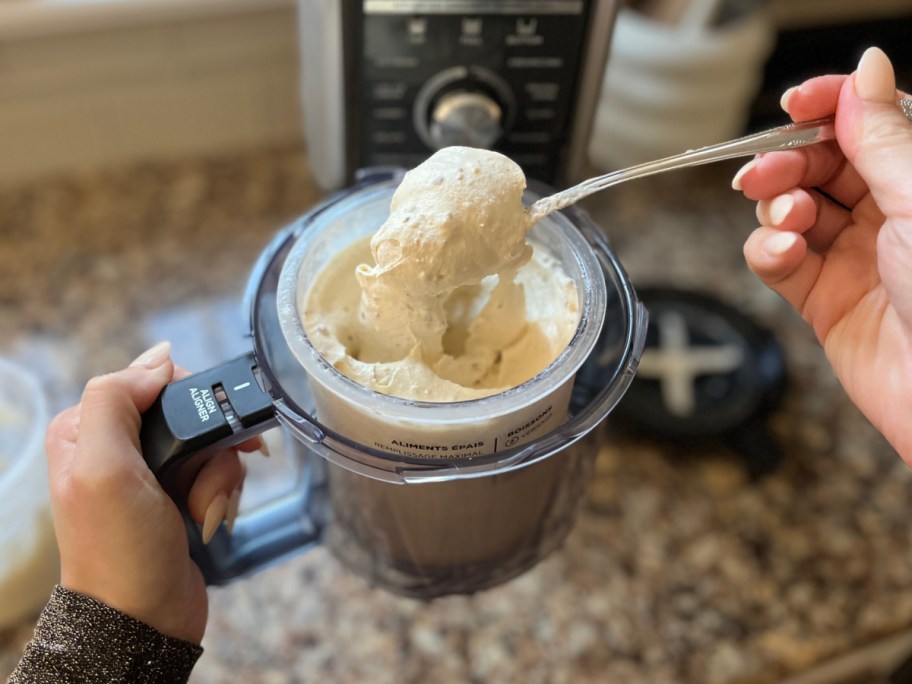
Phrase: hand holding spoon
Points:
(789, 136)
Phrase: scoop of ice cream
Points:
(454, 220)
(500, 332)
(447, 301)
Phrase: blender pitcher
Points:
(421, 498)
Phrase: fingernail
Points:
(874, 80)
(736, 181)
(154, 357)
(780, 243)
(214, 516)
(264, 448)
(234, 503)
(786, 96)
(779, 208)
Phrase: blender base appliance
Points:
(388, 82)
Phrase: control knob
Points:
(465, 118)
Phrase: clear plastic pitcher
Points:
(421, 498)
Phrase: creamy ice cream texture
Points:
(448, 300)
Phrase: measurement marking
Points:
(495, 445)
(240, 387)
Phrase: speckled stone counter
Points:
(678, 570)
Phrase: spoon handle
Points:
(789, 136)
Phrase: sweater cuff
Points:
(79, 639)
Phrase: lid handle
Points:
(198, 415)
(195, 418)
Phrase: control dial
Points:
(465, 118)
(469, 106)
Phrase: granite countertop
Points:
(679, 569)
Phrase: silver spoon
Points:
(785, 137)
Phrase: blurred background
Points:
(149, 150)
(93, 83)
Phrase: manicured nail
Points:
(234, 503)
(154, 357)
(736, 181)
(779, 209)
(214, 516)
(786, 96)
(874, 80)
(780, 243)
(264, 448)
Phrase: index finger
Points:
(814, 99)
(110, 417)
(60, 442)
(818, 166)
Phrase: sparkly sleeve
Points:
(79, 639)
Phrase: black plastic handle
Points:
(198, 415)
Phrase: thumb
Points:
(876, 137)
(875, 134)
